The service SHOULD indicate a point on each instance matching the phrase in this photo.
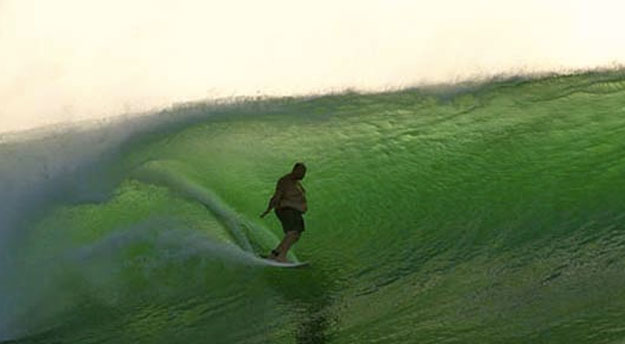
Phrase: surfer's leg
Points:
(276, 253)
(292, 224)
(290, 238)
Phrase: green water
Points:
(484, 214)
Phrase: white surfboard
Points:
(284, 265)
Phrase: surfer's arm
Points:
(275, 199)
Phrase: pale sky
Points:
(69, 60)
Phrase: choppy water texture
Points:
(488, 213)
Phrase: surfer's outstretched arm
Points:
(274, 201)
(272, 204)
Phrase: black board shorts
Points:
(291, 219)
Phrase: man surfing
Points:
(289, 202)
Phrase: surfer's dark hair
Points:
(299, 164)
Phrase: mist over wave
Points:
(63, 61)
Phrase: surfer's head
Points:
(299, 171)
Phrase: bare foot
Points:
(272, 256)
(281, 259)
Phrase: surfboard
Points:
(284, 265)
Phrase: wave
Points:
(485, 212)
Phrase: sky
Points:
(72, 60)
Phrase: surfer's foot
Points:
(276, 256)
(273, 255)
(281, 260)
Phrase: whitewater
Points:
(486, 212)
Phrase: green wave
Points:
(470, 213)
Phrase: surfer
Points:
(289, 202)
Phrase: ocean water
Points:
(470, 213)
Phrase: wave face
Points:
(463, 214)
